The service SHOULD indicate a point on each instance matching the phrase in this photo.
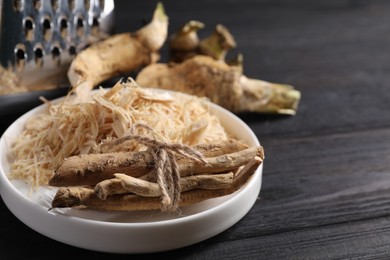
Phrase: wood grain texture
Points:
(326, 184)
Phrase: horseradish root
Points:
(118, 54)
(87, 197)
(89, 169)
(173, 173)
(184, 43)
(126, 184)
(223, 84)
(218, 43)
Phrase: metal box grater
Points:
(39, 38)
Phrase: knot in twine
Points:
(166, 167)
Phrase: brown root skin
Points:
(91, 169)
(223, 84)
(118, 54)
(126, 184)
(222, 163)
(68, 197)
(201, 76)
(80, 196)
(216, 149)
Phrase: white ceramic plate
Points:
(129, 232)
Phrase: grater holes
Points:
(55, 54)
(20, 56)
(46, 26)
(72, 50)
(29, 26)
(55, 51)
(79, 26)
(55, 5)
(18, 5)
(95, 22)
(63, 24)
(38, 55)
(95, 25)
(37, 4)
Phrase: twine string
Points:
(167, 173)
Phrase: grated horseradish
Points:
(74, 126)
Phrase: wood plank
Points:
(356, 240)
(323, 180)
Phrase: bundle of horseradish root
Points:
(129, 148)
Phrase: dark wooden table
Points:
(326, 184)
